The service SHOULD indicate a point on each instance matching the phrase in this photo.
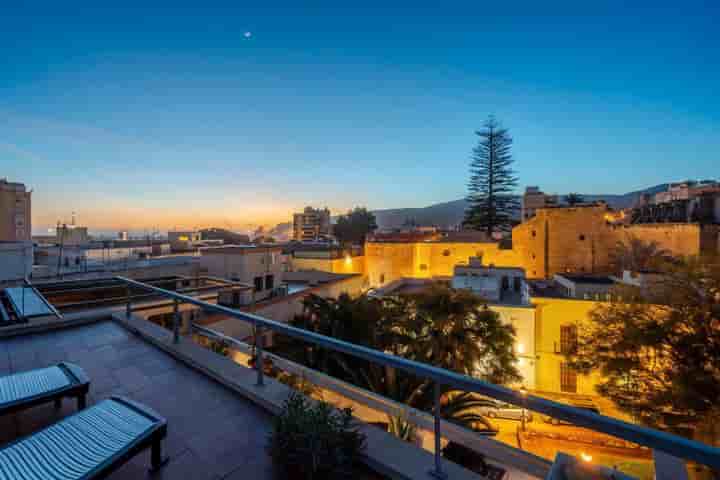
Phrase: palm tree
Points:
(638, 255)
(573, 199)
(454, 329)
(447, 328)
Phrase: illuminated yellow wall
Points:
(523, 319)
(336, 265)
(581, 240)
(551, 314)
(389, 261)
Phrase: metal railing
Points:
(670, 444)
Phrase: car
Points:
(583, 406)
(495, 409)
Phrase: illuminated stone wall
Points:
(560, 240)
(386, 262)
(581, 240)
(332, 265)
(550, 315)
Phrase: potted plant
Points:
(313, 440)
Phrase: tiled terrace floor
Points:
(212, 432)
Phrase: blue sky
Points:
(168, 115)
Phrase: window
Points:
(423, 267)
(258, 284)
(446, 253)
(568, 338)
(568, 378)
(269, 282)
(382, 278)
(534, 233)
(581, 237)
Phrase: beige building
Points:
(15, 220)
(581, 239)
(16, 261)
(312, 225)
(532, 200)
(259, 266)
(71, 235)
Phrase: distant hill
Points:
(450, 214)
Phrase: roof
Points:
(315, 276)
(239, 249)
(589, 279)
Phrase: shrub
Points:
(220, 347)
(299, 383)
(313, 440)
(402, 428)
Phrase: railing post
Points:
(259, 360)
(128, 308)
(438, 472)
(176, 321)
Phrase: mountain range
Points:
(449, 214)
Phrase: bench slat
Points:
(78, 445)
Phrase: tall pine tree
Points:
(492, 181)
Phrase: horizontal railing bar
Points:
(666, 442)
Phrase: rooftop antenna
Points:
(72, 219)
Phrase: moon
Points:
(247, 34)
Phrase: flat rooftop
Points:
(589, 279)
(212, 432)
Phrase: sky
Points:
(233, 113)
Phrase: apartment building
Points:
(312, 225)
(15, 201)
(259, 266)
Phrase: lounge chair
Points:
(51, 384)
(89, 444)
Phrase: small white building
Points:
(259, 266)
(494, 284)
(16, 261)
(585, 287)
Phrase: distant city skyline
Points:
(165, 116)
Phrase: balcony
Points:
(219, 412)
(212, 431)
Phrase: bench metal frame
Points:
(78, 388)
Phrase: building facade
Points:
(15, 218)
(183, 241)
(16, 261)
(532, 200)
(494, 284)
(312, 225)
(259, 266)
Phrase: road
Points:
(570, 439)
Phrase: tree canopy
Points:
(638, 255)
(573, 199)
(353, 227)
(448, 328)
(659, 352)
(492, 203)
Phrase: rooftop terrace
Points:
(213, 433)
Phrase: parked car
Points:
(495, 409)
(583, 406)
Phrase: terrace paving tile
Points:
(213, 433)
